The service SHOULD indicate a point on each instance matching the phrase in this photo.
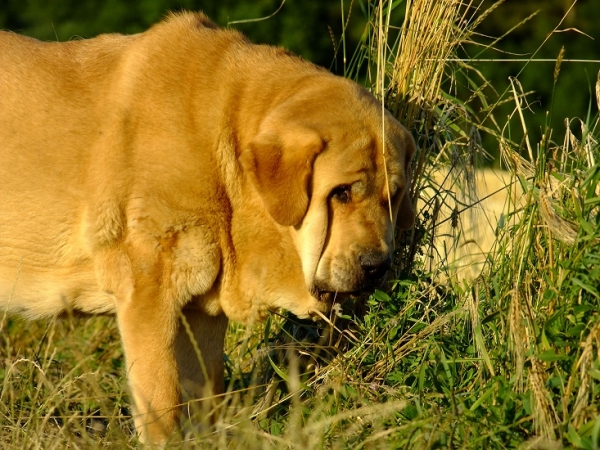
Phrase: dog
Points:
(183, 177)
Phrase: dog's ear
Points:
(279, 162)
(406, 213)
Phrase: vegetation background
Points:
(475, 342)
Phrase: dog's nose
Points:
(375, 264)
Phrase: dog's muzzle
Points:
(374, 266)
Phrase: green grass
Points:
(507, 358)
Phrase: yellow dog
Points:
(185, 172)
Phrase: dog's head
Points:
(333, 166)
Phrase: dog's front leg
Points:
(148, 325)
(199, 350)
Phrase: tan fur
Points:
(186, 172)
(462, 244)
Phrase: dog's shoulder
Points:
(191, 20)
(189, 26)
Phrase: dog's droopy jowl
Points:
(187, 173)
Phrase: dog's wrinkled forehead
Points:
(371, 147)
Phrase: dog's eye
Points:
(342, 193)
